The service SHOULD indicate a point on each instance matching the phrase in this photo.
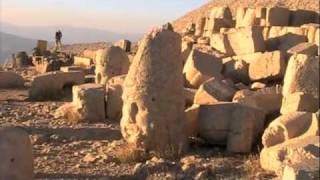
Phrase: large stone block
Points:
(42, 46)
(294, 152)
(304, 48)
(302, 75)
(267, 100)
(50, 85)
(110, 62)
(114, 101)
(87, 105)
(10, 80)
(299, 17)
(230, 124)
(299, 101)
(200, 67)
(213, 91)
(269, 66)
(246, 40)
(82, 62)
(289, 126)
(16, 154)
(246, 17)
(153, 110)
(219, 42)
(237, 70)
(124, 44)
(277, 16)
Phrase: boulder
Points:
(301, 152)
(114, 101)
(10, 80)
(213, 91)
(153, 97)
(268, 100)
(110, 62)
(87, 105)
(50, 85)
(304, 48)
(269, 66)
(16, 154)
(230, 124)
(200, 67)
(246, 40)
(289, 126)
(299, 101)
(302, 75)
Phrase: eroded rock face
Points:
(16, 154)
(302, 75)
(153, 110)
(110, 62)
(10, 80)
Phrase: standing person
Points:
(58, 40)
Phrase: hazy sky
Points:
(115, 15)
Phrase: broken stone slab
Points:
(268, 100)
(229, 124)
(302, 152)
(114, 101)
(268, 66)
(192, 120)
(50, 85)
(10, 79)
(304, 48)
(16, 154)
(201, 66)
(149, 113)
(82, 62)
(213, 91)
(299, 101)
(87, 105)
(110, 62)
(246, 40)
(289, 126)
(302, 75)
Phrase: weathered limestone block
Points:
(114, 101)
(87, 104)
(301, 152)
(311, 31)
(270, 66)
(42, 46)
(82, 62)
(246, 40)
(124, 45)
(153, 110)
(289, 126)
(299, 17)
(200, 24)
(10, 80)
(110, 62)
(16, 154)
(277, 16)
(302, 75)
(213, 91)
(200, 67)
(246, 17)
(50, 85)
(299, 101)
(237, 70)
(267, 100)
(304, 48)
(230, 123)
(192, 114)
(220, 42)
(219, 17)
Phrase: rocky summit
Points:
(229, 91)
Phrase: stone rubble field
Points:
(235, 95)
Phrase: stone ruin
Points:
(229, 79)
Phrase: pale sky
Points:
(131, 16)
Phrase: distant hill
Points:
(192, 16)
(10, 43)
(70, 34)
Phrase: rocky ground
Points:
(93, 151)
